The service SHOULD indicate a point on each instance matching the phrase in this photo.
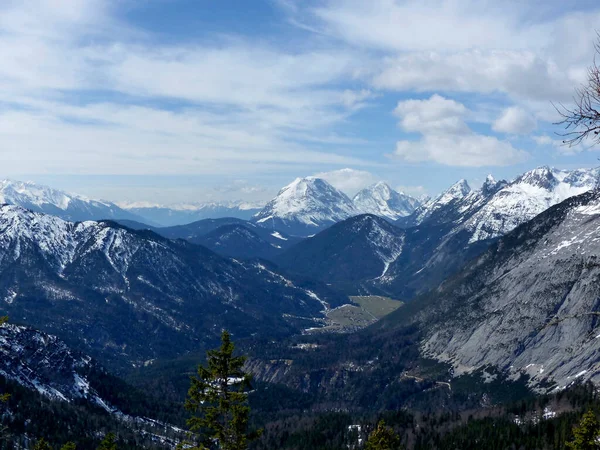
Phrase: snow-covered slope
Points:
(526, 197)
(306, 206)
(70, 207)
(446, 232)
(116, 289)
(437, 207)
(47, 366)
(488, 216)
(380, 199)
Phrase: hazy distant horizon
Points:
(172, 102)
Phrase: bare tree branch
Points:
(582, 121)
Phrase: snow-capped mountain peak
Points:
(457, 191)
(47, 200)
(306, 204)
(380, 199)
(446, 199)
(542, 177)
(526, 197)
(20, 192)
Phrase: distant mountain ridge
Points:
(232, 237)
(166, 216)
(380, 199)
(128, 296)
(72, 207)
(309, 205)
(441, 235)
(512, 203)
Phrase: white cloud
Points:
(427, 24)
(472, 150)
(446, 138)
(230, 104)
(347, 180)
(515, 120)
(520, 74)
(185, 107)
(435, 115)
(530, 51)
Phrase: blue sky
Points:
(192, 100)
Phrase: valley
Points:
(362, 312)
(471, 303)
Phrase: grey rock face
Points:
(528, 305)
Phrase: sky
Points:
(170, 101)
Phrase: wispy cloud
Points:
(83, 92)
(85, 88)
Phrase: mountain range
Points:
(67, 206)
(165, 216)
(519, 319)
(310, 202)
(500, 277)
(128, 296)
(527, 306)
(439, 237)
(309, 205)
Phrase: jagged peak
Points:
(303, 185)
(382, 200)
(490, 186)
(380, 187)
(457, 191)
(540, 176)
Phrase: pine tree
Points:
(69, 446)
(109, 442)
(383, 438)
(218, 395)
(586, 434)
(42, 445)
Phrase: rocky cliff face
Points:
(530, 304)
